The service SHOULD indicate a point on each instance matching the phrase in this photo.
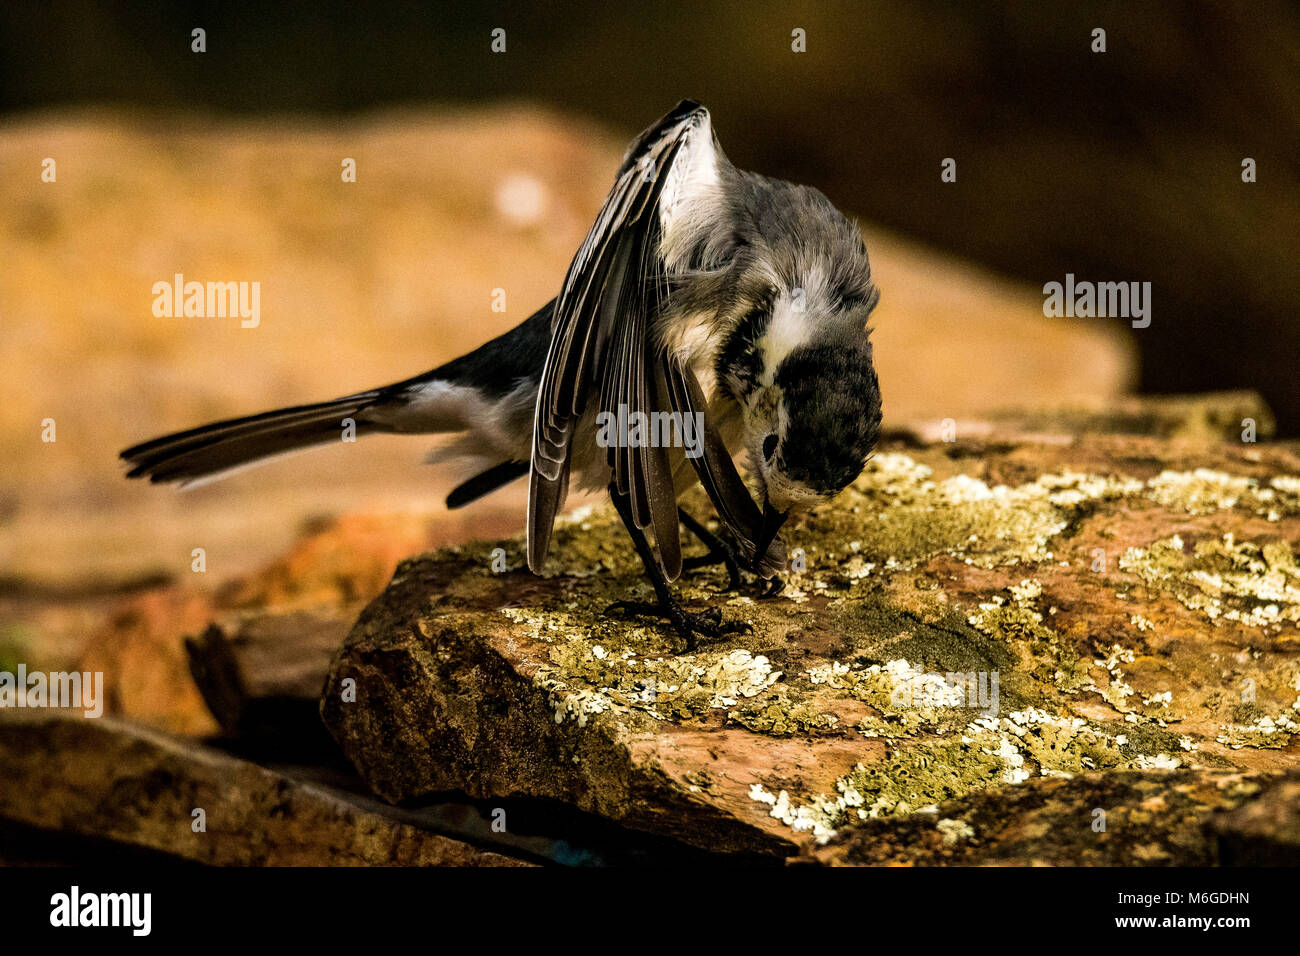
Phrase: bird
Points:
(736, 302)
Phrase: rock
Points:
(286, 620)
(1141, 818)
(971, 616)
(339, 562)
(1265, 831)
(105, 779)
(263, 682)
(139, 651)
(1219, 416)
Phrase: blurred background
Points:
(481, 170)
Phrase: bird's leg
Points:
(687, 623)
(720, 551)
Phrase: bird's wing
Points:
(601, 346)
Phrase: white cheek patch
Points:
(790, 327)
(787, 331)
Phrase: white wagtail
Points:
(702, 291)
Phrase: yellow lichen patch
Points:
(1202, 491)
(897, 515)
(1268, 732)
(1058, 745)
(1019, 624)
(1224, 579)
(918, 775)
(586, 678)
(907, 699)
(954, 831)
(1205, 491)
(589, 542)
(1117, 692)
(780, 717)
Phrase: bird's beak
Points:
(772, 521)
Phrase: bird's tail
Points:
(209, 451)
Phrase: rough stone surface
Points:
(1265, 830)
(1145, 818)
(266, 677)
(113, 781)
(1137, 599)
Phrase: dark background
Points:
(1117, 166)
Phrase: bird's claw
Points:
(689, 625)
(772, 588)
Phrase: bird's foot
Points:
(689, 625)
(772, 588)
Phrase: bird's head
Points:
(809, 433)
(799, 364)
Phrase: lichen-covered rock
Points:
(969, 617)
(1147, 818)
